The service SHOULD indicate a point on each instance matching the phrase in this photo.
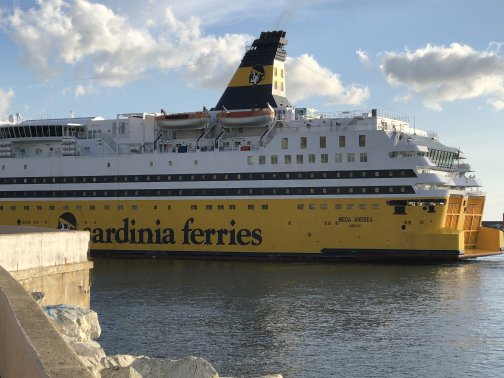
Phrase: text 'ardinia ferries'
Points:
(250, 177)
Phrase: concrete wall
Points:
(45, 260)
(24, 248)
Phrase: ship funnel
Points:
(260, 78)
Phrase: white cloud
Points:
(105, 43)
(439, 74)
(306, 77)
(364, 58)
(85, 34)
(5, 99)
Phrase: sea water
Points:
(307, 319)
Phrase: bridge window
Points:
(311, 158)
(299, 159)
(304, 142)
(323, 142)
(351, 157)
(287, 159)
(285, 143)
(362, 141)
(342, 141)
(363, 157)
(274, 159)
(262, 159)
(324, 158)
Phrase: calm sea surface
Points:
(305, 319)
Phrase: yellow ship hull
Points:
(273, 228)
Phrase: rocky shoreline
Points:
(80, 326)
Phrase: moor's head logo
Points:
(67, 221)
(256, 74)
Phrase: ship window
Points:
(390, 189)
(312, 206)
(92, 207)
(264, 207)
(377, 190)
(363, 157)
(362, 141)
(232, 207)
(151, 164)
(285, 143)
(169, 163)
(350, 190)
(374, 206)
(168, 207)
(311, 158)
(303, 142)
(350, 206)
(322, 142)
(208, 207)
(106, 207)
(390, 173)
(351, 157)
(250, 160)
(250, 207)
(287, 159)
(300, 206)
(403, 173)
(324, 158)
(25, 166)
(281, 72)
(194, 207)
(220, 207)
(323, 206)
(363, 190)
(342, 141)
(26, 207)
(276, 71)
(281, 86)
(377, 173)
(299, 159)
(276, 85)
(338, 157)
(120, 207)
(38, 207)
(262, 159)
(134, 207)
(403, 189)
(338, 190)
(195, 162)
(338, 206)
(362, 206)
(274, 159)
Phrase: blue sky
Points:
(440, 62)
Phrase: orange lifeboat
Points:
(261, 117)
(190, 120)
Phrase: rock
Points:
(120, 372)
(77, 323)
(39, 296)
(188, 367)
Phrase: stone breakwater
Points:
(80, 326)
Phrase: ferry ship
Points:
(250, 177)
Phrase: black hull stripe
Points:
(221, 192)
(336, 255)
(261, 176)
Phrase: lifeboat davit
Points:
(190, 120)
(261, 117)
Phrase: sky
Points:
(438, 62)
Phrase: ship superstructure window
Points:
(338, 157)
(274, 159)
(312, 206)
(251, 207)
(374, 206)
(362, 206)
(264, 206)
(342, 141)
(362, 141)
(303, 142)
(134, 207)
(351, 157)
(92, 207)
(208, 207)
(120, 207)
(262, 159)
(350, 206)
(324, 158)
(287, 159)
(194, 207)
(338, 206)
(299, 159)
(276, 71)
(323, 142)
(232, 207)
(250, 160)
(285, 143)
(323, 206)
(363, 157)
(311, 158)
(220, 207)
